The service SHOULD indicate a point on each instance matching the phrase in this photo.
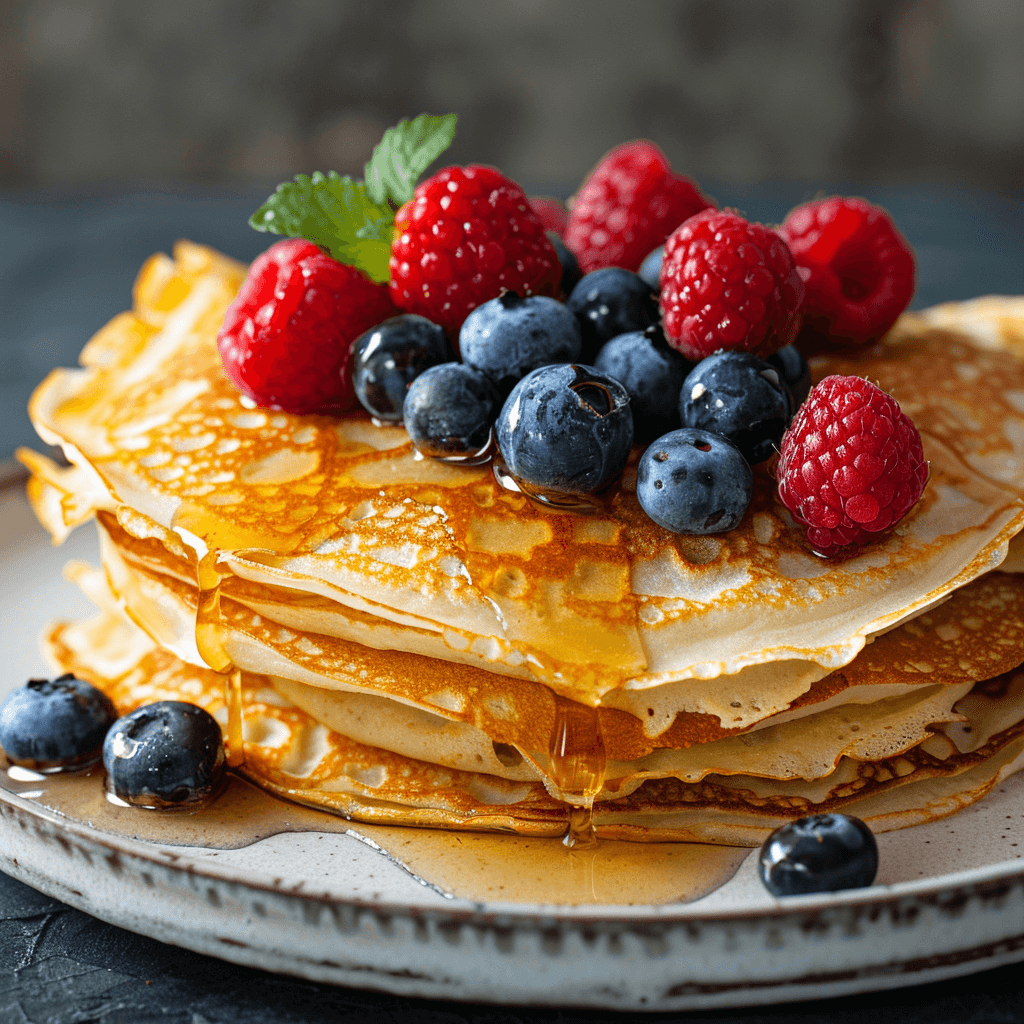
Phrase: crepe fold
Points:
(420, 645)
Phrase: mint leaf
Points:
(335, 213)
(404, 153)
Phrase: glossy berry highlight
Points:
(166, 754)
(820, 853)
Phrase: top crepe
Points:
(589, 605)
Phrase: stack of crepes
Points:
(418, 645)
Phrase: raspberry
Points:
(468, 234)
(728, 284)
(287, 337)
(628, 206)
(859, 270)
(551, 213)
(851, 464)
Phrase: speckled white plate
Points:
(950, 898)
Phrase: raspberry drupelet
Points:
(630, 203)
(287, 337)
(469, 234)
(851, 464)
(858, 269)
(728, 284)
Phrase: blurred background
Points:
(235, 92)
(127, 123)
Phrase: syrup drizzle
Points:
(474, 865)
(210, 637)
(578, 762)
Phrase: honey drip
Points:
(578, 763)
(476, 866)
(210, 635)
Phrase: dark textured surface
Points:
(66, 265)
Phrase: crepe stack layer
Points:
(419, 645)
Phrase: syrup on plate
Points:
(477, 866)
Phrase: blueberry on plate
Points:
(608, 302)
(822, 853)
(166, 754)
(387, 358)
(693, 481)
(508, 337)
(565, 430)
(652, 373)
(741, 397)
(449, 413)
(789, 361)
(650, 269)
(571, 272)
(55, 725)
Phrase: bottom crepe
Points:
(957, 741)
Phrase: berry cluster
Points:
(165, 754)
(503, 328)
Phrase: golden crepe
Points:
(415, 621)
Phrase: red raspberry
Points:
(628, 206)
(728, 284)
(858, 268)
(468, 234)
(286, 340)
(851, 464)
(551, 213)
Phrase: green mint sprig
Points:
(353, 220)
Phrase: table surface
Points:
(66, 266)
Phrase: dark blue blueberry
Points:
(167, 754)
(650, 269)
(795, 372)
(741, 397)
(450, 412)
(571, 272)
(50, 725)
(508, 337)
(565, 430)
(652, 373)
(694, 481)
(389, 357)
(608, 302)
(822, 853)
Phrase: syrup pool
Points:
(477, 866)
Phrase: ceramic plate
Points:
(328, 906)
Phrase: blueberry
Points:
(167, 754)
(54, 725)
(650, 269)
(611, 301)
(389, 357)
(693, 481)
(450, 411)
(652, 373)
(741, 397)
(565, 430)
(508, 337)
(795, 372)
(571, 272)
(822, 853)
